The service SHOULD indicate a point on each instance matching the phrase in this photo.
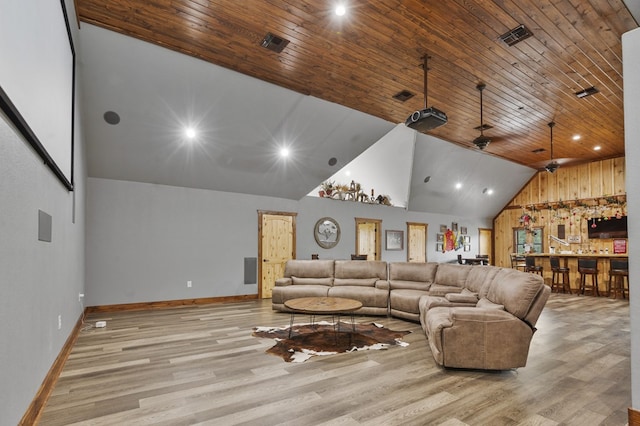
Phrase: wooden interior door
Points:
(277, 244)
(416, 242)
(368, 238)
(485, 246)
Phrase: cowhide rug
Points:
(320, 339)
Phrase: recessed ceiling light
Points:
(284, 152)
(341, 10)
(427, 179)
(190, 132)
(597, 148)
(458, 185)
(348, 172)
(333, 161)
(487, 191)
(576, 137)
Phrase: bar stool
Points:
(588, 266)
(517, 262)
(530, 265)
(558, 271)
(618, 271)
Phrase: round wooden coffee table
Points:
(334, 306)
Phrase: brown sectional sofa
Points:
(473, 316)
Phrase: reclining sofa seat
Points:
(496, 333)
(302, 278)
(407, 283)
(362, 281)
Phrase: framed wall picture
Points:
(394, 240)
(454, 226)
(439, 247)
(619, 246)
(467, 239)
(463, 230)
(443, 229)
(440, 238)
(467, 247)
(327, 232)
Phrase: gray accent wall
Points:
(145, 242)
(39, 281)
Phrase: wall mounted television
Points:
(612, 228)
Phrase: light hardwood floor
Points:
(200, 365)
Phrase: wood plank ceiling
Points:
(362, 59)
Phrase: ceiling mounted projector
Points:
(427, 118)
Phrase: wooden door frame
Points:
(426, 234)
(378, 223)
(261, 213)
(492, 253)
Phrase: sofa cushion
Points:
(360, 269)
(370, 297)
(516, 290)
(280, 295)
(441, 290)
(364, 282)
(406, 300)
(412, 273)
(454, 275)
(412, 285)
(465, 296)
(309, 268)
(311, 281)
(480, 278)
(486, 303)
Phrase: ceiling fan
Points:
(481, 141)
(553, 165)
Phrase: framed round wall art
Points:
(327, 232)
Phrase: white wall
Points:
(631, 72)
(145, 241)
(38, 280)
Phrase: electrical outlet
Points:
(59, 322)
(80, 297)
(189, 284)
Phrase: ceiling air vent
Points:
(403, 96)
(516, 35)
(274, 43)
(587, 92)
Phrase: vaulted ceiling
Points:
(362, 59)
(358, 61)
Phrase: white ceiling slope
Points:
(447, 164)
(384, 167)
(242, 123)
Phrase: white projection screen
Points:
(37, 76)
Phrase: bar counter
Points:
(571, 262)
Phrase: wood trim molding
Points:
(34, 411)
(168, 304)
(634, 417)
